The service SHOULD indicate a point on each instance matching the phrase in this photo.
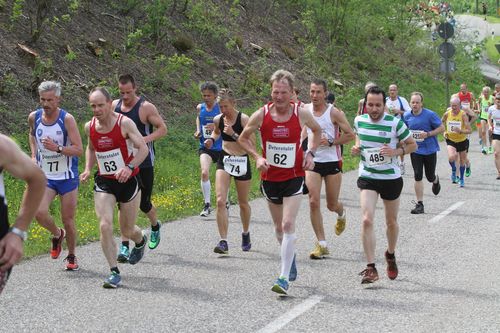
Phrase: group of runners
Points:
(301, 148)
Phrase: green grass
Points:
(491, 50)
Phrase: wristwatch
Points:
(59, 149)
(330, 142)
(19, 232)
(131, 166)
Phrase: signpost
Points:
(446, 51)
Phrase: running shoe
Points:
(280, 286)
(293, 270)
(124, 254)
(222, 247)
(319, 252)
(55, 252)
(138, 252)
(436, 187)
(246, 244)
(155, 238)
(490, 150)
(454, 178)
(392, 268)
(498, 177)
(370, 275)
(462, 182)
(419, 208)
(484, 151)
(112, 281)
(206, 210)
(340, 226)
(467, 171)
(71, 263)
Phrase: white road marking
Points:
(446, 212)
(296, 311)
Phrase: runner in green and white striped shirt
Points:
(378, 135)
(373, 135)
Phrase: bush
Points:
(183, 43)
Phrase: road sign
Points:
(445, 30)
(446, 50)
(451, 66)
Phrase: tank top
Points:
(207, 117)
(4, 216)
(485, 104)
(281, 146)
(237, 128)
(465, 99)
(329, 131)
(144, 129)
(56, 166)
(111, 149)
(453, 121)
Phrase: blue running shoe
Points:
(124, 254)
(462, 182)
(222, 247)
(155, 238)
(112, 281)
(454, 177)
(246, 244)
(293, 270)
(138, 252)
(280, 286)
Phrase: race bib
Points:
(416, 134)
(451, 125)
(207, 132)
(110, 161)
(281, 155)
(235, 165)
(373, 157)
(53, 162)
(465, 105)
(497, 123)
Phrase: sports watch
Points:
(19, 232)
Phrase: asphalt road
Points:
(448, 282)
(475, 28)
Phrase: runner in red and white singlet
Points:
(282, 164)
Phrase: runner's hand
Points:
(208, 143)
(355, 150)
(262, 164)
(308, 163)
(84, 176)
(11, 251)
(123, 175)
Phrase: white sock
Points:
(287, 253)
(205, 188)
(323, 243)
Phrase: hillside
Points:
(171, 46)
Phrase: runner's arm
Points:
(340, 119)
(245, 139)
(76, 148)
(90, 158)
(468, 129)
(19, 165)
(154, 118)
(197, 131)
(31, 136)
(130, 131)
(209, 142)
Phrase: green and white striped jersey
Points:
(373, 135)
